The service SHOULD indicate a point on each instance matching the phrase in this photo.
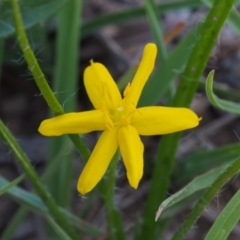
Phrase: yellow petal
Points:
(98, 162)
(131, 148)
(80, 122)
(163, 120)
(101, 87)
(144, 70)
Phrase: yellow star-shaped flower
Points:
(120, 121)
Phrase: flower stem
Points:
(190, 79)
(32, 61)
(232, 170)
(115, 225)
(39, 77)
(36, 182)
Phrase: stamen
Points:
(108, 121)
(120, 109)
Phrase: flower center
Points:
(120, 117)
(116, 118)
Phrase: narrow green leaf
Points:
(36, 182)
(217, 102)
(156, 29)
(202, 161)
(39, 76)
(130, 14)
(62, 235)
(226, 221)
(187, 87)
(66, 67)
(11, 184)
(202, 203)
(126, 78)
(161, 79)
(222, 90)
(33, 12)
(33, 202)
(198, 184)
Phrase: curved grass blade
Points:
(200, 183)
(217, 102)
(156, 29)
(202, 203)
(33, 12)
(62, 235)
(33, 202)
(202, 161)
(39, 76)
(160, 81)
(124, 16)
(36, 182)
(187, 87)
(12, 184)
(226, 221)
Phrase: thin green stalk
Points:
(156, 28)
(155, 24)
(232, 170)
(39, 76)
(30, 172)
(65, 83)
(187, 87)
(115, 225)
(32, 61)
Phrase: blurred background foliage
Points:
(181, 173)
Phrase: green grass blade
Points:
(202, 203)
(126, 78)
(35, 180)
(11, 184)
(162, 78)
(198, 184)
(217, 102)
(156, 29)
(39, 76)
(202, 161)
(223, 90)
(61, 234)
(226, 221)
(115, 223)
(34, 12)
(190, 79)
(120, 17)
(160, 81)
(65, 82)
(34, 203)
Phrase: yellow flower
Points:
(120, 121)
